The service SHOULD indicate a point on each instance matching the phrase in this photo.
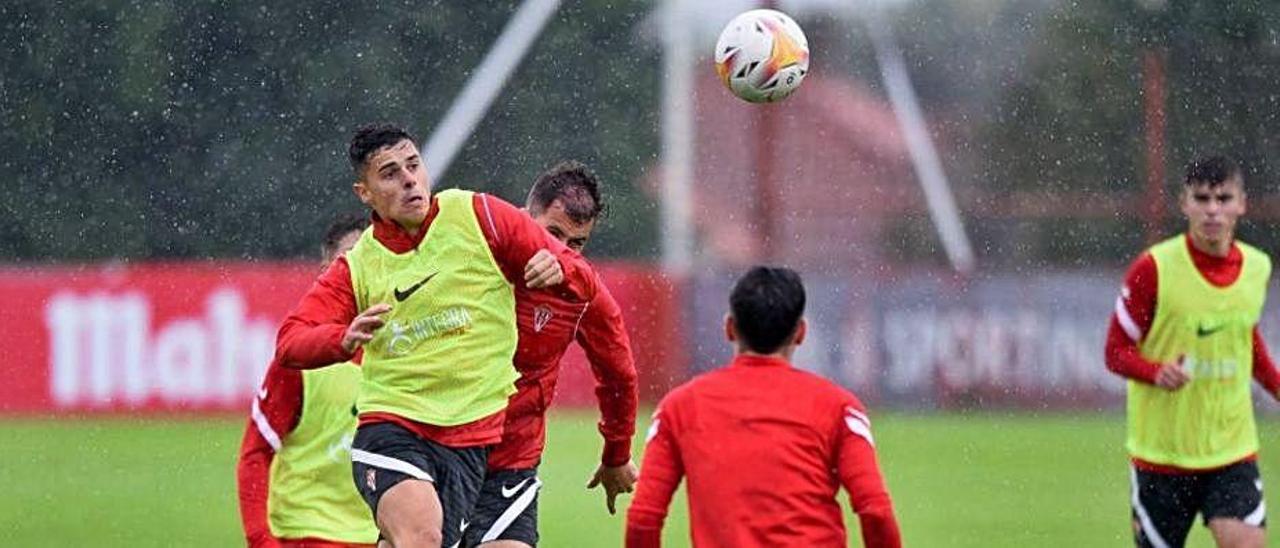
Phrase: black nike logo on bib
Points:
(401, 295)
(1202, 331)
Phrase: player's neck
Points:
(1220, 248)
(783, 353)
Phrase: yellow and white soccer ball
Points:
(762, 56)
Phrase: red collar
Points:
(395, 237)
(750, 360)
(1205, 261)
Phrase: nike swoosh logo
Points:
(401, 295)
(1202, 332)
(511, 492)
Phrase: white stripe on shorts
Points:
(512, 512)
(1257, 515)
(388, 463)
(1148, 528)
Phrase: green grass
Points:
(957, 480)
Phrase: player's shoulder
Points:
(1253, 253)
(825, 390)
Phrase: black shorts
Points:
(507, 509)
(385, 454)
(1165, 505)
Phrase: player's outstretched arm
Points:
(315, 333)
(603, 337)
(659, 476)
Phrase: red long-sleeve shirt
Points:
(311, 335)
(765, 447)
(276, 410)
(1135, 311)
(547, 325)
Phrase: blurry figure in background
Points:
(428, 293)
(293, 476)
(1185, 334)
(765, 445)
(566, 201)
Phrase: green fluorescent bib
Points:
(1209, 421)
(311, 491)
(444, 355)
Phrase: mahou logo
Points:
(105, 352)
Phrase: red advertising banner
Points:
(196, 336)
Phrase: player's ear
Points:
(730, 330)
(362, 191)
(802, 329)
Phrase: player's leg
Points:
(1163, 507)
(1234, 508)
(397, 478)
(409, 515)
(506, 515)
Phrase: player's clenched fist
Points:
(543, 270)
(361, 329)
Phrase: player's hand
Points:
(543, 270)
(361, 329)
(1172, 376)
(616, 480)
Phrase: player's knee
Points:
(416, 536)
(504, 544)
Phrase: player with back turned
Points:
(1185, 334)
(765, 446)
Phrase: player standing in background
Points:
(566, 201)
(765, 446)
(1185, 334)
(429, 294)
(293, 476)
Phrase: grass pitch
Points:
(957, 480)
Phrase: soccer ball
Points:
(762, 56)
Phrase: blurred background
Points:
(960, 183)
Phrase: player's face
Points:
(557, 221)
(395, 185)
(1212, 210)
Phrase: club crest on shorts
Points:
(541, 316)
(369, 479)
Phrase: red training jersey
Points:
(311, 336)
(766, 448)
(547, 324)
(1135, 311)
(275, 413)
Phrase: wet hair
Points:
(339, 228)
(1211, 170)
(371, 138)
(766, 304)
(574, 185)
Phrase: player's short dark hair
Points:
(1211, 170)
(339, 228)
(767, 303)
(370, 138)
(574, 184)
